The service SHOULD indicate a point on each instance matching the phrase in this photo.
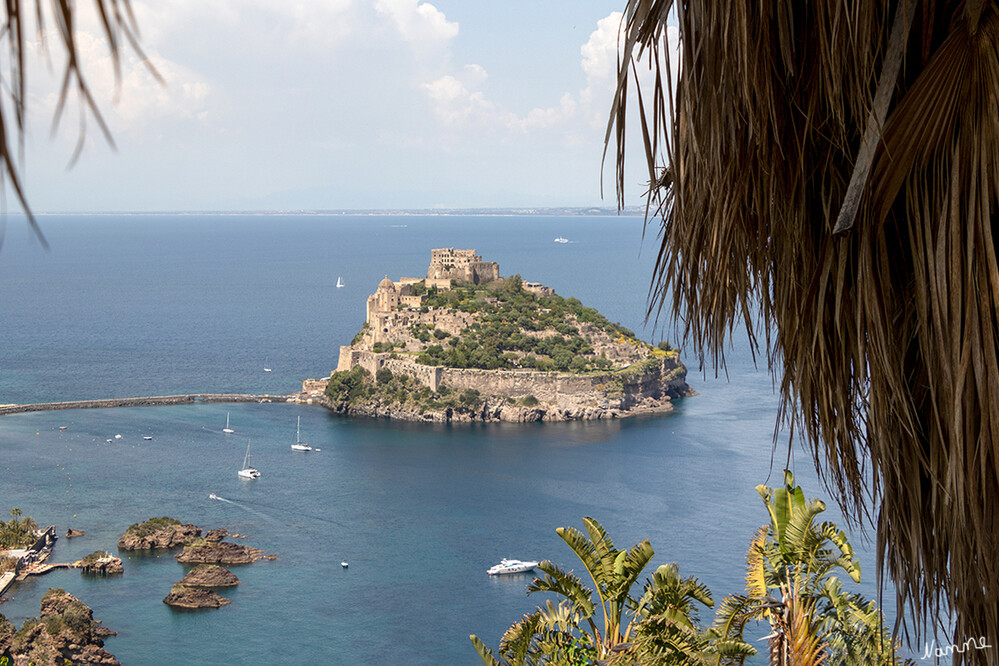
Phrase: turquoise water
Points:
(162, 304)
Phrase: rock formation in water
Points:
(157, 533)
(209, 575)
(100, 563)
(221, 552)
(182, 596)
(65, 632)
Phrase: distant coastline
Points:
(547, 211)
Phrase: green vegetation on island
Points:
(150, 526)
(514, 328)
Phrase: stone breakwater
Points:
(143, 401)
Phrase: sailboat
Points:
(248, 472)
(227, 429)
(266, 369)
(339, 282)
(299, 445)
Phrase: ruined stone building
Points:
(451, 264)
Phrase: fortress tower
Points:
(449, 263)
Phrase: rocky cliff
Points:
(65, 632)
(488, 395)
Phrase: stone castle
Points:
(393, 307)
(387, 342)
(448, 264)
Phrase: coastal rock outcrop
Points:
(100, 563)
(158, 533)
(209, 575)
(65, 632)
(70, 533)
(222, 552)
(182, 596)
(216, 535)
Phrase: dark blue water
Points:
(152, 305)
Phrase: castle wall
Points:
(668, 378)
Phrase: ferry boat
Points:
(511, 567)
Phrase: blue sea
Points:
(160, 304)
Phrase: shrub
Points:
(148, 527)
(347, 385)
(54, 624)
(529, 401)
(383, 376)
(439, 334)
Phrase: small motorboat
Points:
(147, 437)
(507, 566)
(62, 427)
(344, 564)
(212, 496)
(560, 239)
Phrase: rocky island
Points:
(158, 533)
(65, 632)
(464, 344)
(191, 591)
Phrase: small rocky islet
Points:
(464, 344)
(207, 551)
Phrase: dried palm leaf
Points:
(886, 337)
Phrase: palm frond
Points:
(886, 337)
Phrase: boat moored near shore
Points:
(507, 566)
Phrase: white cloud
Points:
(130, 103)
(420, 24)
(312, 24)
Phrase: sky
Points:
(336, 104)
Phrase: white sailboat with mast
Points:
(227, 430)
(248, 472)
(299, 445)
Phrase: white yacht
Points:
(227, 429)
(248, 472)
(299, 445)
(560, 239)
(511, 567)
